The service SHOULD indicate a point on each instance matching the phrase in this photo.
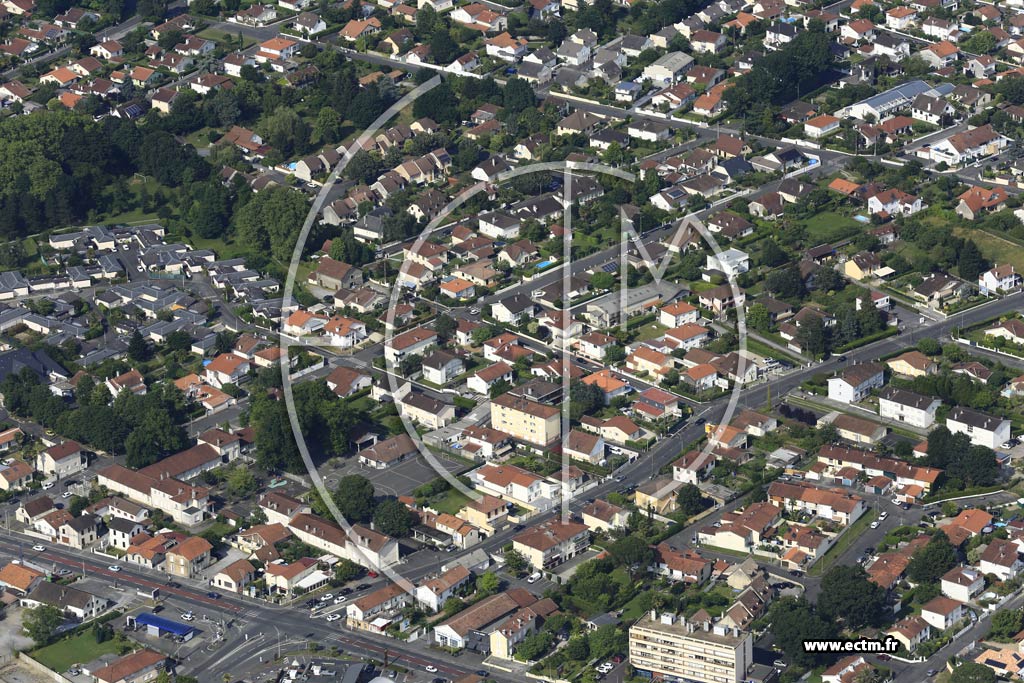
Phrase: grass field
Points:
(830, 227)
(77, 650)
(452, 502)
(225, 37)
(994, 248)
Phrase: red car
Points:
(372, 575)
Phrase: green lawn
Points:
(650, 331)
(830, 227)
(452, 502)
(76, 650)
(229, 39)
(994, 248)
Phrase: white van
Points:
(533, 577)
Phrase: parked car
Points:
(114, 567)
(39, 548)
(333, 617)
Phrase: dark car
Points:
(841, 359)
(518, 527)
(362, 586)
(482, 673)
(796, 572)
(700, 421)
(346, 591)
(884, 657)
(213, 595)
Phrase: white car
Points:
(47, 485)
(125, 247)
(39, 548)
(327, 598)
(141, 268)
(430, 669)
(333, 617)
(340, 599)
(188, 616)
(114, 567)
(874, 525)
(66, 494)
(885, 513)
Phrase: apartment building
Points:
(909, 407)
(526, 420)
(550, 544)
(834, 504)
(983, 430)
(668, 647)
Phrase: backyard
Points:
(830, 227)
(78, 649)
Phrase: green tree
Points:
(534, 646)
(690, 500)
(1006, 624)
(848, 595)
(614, 354)
(393, 518)
(971, 672)
(488, 583)
(515, 562)
(759, 318)
(811, 336)
(241, 482)
(363, 167)
(793, 621)
(518, 95)
(354, 498)
(138, 347)
(328, 125)
(286, 131)
(445, 326)
(970, 262)
(632, 551)
(443, 49)
(40, 623)
(269, 223)
(936, 558)
(602, 280)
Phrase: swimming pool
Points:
(547, 263)
(862, 219)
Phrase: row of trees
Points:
(145, 428)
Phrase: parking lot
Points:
(398, 480)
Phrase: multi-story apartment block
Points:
(668, 647)
(906, 406)
(550, 544)
(526, 420)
